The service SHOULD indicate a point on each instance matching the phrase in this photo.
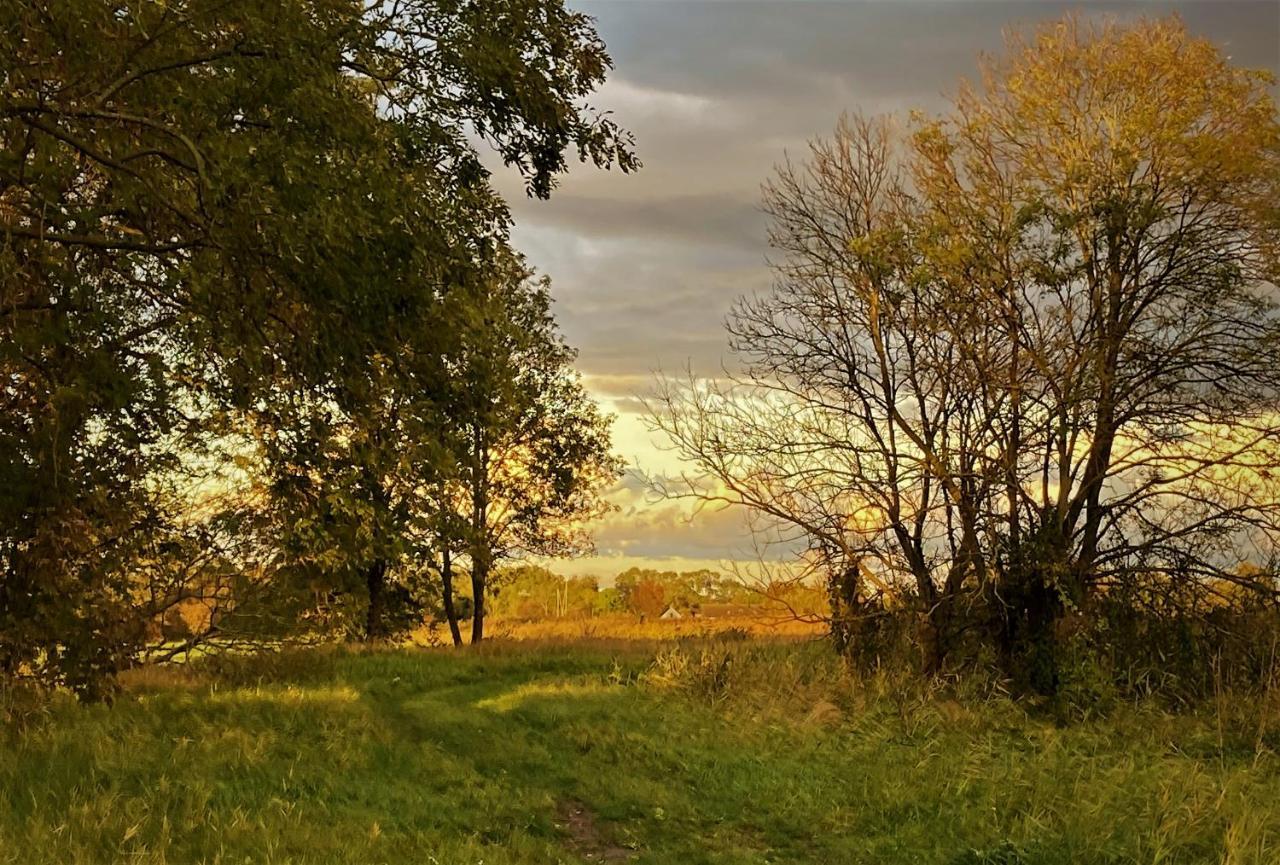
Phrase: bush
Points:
(1131, 642)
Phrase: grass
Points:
(627, 626)
(618, 752)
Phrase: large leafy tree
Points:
(209, 204)
(1027, 353)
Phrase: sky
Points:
(644, 267)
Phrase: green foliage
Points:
(648, 591)
(222, 223)
(530, 447)
(532, 592)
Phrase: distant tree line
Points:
(1016, 387)
(266, 354)
(534, 593)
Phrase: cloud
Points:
(636, 102)
(719, 219)
(653, 528)
(646, 267)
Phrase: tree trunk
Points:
(1031, 642)
(450, 612)
(1031, 608)
(843, 594)
(479, 576)
(481, 543)
(940, 626)
(375, 624)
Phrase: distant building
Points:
(671, 613)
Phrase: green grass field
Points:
(595, 752)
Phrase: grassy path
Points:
(558, 755)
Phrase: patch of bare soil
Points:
(585, 837)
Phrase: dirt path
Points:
(585, 837)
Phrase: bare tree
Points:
(1025, 352)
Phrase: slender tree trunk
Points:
(450, 612)
(479, 577)
(481, 551)
(375, 624)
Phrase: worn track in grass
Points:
(546, 754)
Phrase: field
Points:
(686, 752)
(626, 626)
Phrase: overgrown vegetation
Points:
(692, 752)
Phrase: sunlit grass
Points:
(628, 626)
(521, 695)
(719, 752)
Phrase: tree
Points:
(206, 205)
(641, 589)
(379, 505)
(353, 472)
(647, 597)
(531, 447)
(1027, 352)
(536, 593)
(848, 389)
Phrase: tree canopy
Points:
(1022, 353)
(216, 212)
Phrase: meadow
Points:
(769, 624)
(683, 751)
